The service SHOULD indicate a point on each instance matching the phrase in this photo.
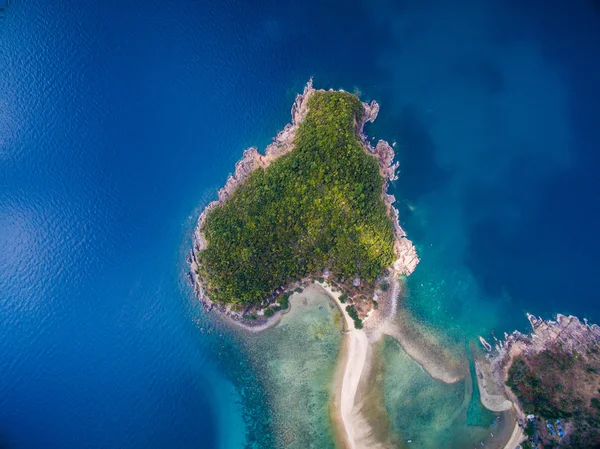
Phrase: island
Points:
(315, 206)
(312, 213)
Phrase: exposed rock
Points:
(406, 253)
(566, 332)
(371, 110)
(386, 156)
(283, 143)
(407, 256)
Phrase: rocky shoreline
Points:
(567, 333)
(407, 258)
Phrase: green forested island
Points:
(317, 207)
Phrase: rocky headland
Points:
(253, 317)
(565, 350)
(553, 373)
(366, 307)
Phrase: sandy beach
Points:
(357, 354)
(516, 438)
(355, 424)
(354, 360)
(354, 357)
(490, 398)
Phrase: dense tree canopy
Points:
(317, 207)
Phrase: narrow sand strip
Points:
(516, 438)
(355, 363)
(357, 354)
(425, 350)
(422, 347)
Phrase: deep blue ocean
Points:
(120, 120)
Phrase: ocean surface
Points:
(120, 120)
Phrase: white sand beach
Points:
(354, 359)
(516, 438)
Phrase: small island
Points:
(310, 216)
(313, 207)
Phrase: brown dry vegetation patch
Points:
(558, 384)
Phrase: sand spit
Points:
(357, 356)
(355, 431)
(424, 349)
(353, 414)
(354, 362)
(358, 433)
(422, 346)
(516, 438)
(357, 343)
(370, 421)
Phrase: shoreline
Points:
(251, 160)
(492, 373)
(353, 357)
(424, 349)
(495, 401)
(335, 407)
(406, 254)
(352, 362)
(516, 438)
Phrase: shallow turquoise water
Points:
(119, 120)
(430, 413)
(295, 361)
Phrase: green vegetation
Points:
(284, 300)
(269, 312)
(343, 298)
(317, 207)
(354, 315)
(529, 429)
